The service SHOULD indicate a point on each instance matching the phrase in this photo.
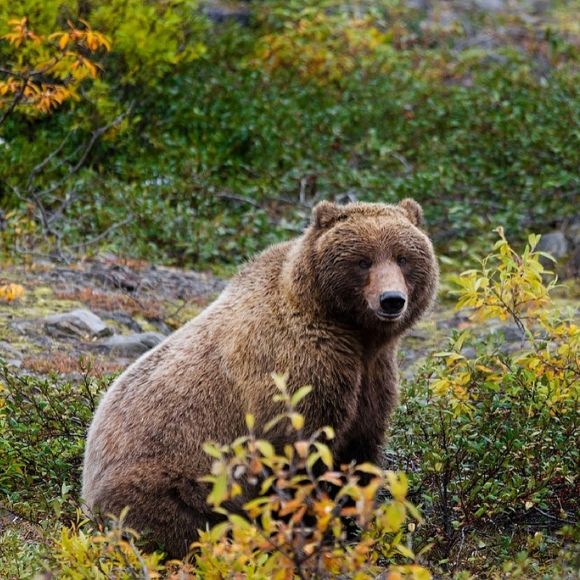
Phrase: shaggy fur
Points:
(310, 306)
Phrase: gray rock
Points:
(8, 351)
(419, 334)
(220, 12)
(511, 332)
(76, 324)
(554, 243)
(514, 347)
(469, 352)
(460, 318)
(132, 345)
(490, 5)
(10, 355)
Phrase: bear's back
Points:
(182, 386)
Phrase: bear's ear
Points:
(413, 211)
(325, 214)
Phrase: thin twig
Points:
(102, 235)
(97, 133)
(38, 168)
(239, 199)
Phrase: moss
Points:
(183, 314)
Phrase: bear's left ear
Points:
(325, 214)
(413, 210)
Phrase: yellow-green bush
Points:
(490, 433)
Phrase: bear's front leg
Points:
(378, 397)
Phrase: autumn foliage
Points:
(46, 70)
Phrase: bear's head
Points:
(370, 264)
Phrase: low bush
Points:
(489, 436)
(230, 133)
(43, 424)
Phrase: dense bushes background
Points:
(232, 130)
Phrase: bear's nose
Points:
(392, 302)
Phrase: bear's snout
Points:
(386, 292)
(392, 304)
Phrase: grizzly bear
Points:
(329, 307)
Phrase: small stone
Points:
(419, 333)
(8, 351)
(469, 352)
(511, 332)
(132, 345)
(490, 5)
(77, 323)
(460, 320)
(220, 12)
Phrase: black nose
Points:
(392, 302)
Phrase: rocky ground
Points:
(107, 312)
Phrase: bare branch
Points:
(38, 168)
(97, 133)
(102, 235)
(239, 199)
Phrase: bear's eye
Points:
(365, 264)
(401, 261)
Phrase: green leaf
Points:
(219, 490)
(212, 450)
(300, 394)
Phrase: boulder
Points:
(79, 323)
(10, 355)
(132, 345)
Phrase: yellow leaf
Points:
(393, 517)
(212, 450)
(300, 394)
(219, 491)
(297, 421)
(398, 484)
(265, 448)
(63, 42)
(405, 551)
(325, 454)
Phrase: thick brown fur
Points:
(310, 307)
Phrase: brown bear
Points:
(329, 307)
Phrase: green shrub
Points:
(43, 422)
(488, 435)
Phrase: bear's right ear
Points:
(413, 211)
(325, 214)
